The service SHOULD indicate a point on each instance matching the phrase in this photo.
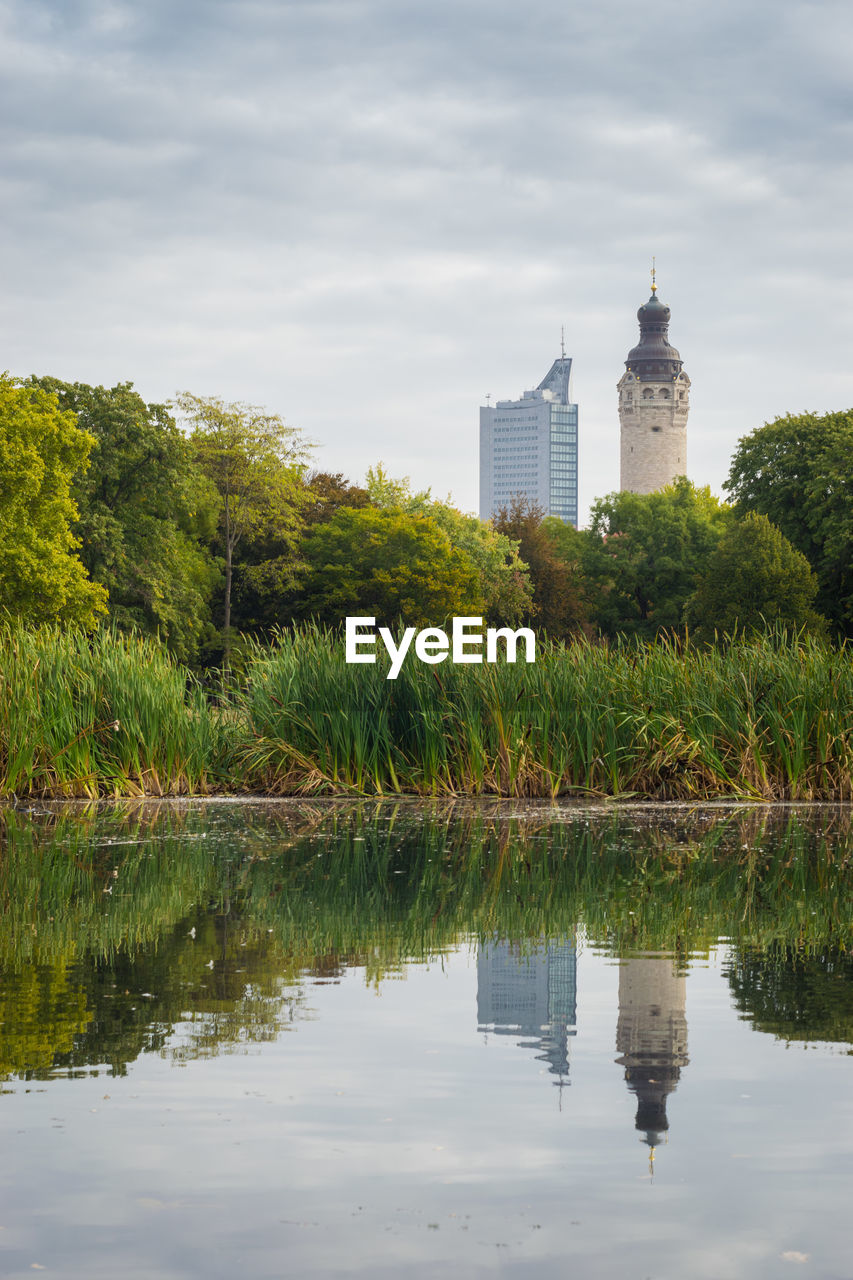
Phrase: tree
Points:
(145, 512)
(327, 492)
(557, 604)
(798, 471)
(389, 565)
(261, 602)
(41, 576)
(643, 554)
(752, 578)
(257, 465)
(503, 581)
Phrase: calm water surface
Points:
(328, 1040)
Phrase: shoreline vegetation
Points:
(762, 718)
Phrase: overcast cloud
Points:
(367, 214)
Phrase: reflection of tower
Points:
(531, 995)
(651, 1036)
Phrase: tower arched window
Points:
(648, 394)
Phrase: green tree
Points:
(557, 605)
(798, 471)
(644, 552)
(260, 605)
(257, 465)
(387, 565)
(754, 577)
(503, 580)
(145, 513)
(41, 576)
(327, 492)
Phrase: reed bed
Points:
(106, 714)
(768, 718)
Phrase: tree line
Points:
(202, 522)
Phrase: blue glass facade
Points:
(529, 448)
(563, 500)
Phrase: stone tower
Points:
(654, 397)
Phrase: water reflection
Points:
(530, 994)
(794, 996)
(379, 1135)
(217, 916)
(651, 1037)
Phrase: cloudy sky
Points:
(367, 214)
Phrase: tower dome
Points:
(653, 359)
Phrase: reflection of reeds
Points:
(397, 880)
(121, 923)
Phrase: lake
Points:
(432, 1039)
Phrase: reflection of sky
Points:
(383, 1133)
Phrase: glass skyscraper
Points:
(529, 448)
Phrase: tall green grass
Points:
(106, 714)
(769, 718)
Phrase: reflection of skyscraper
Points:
(651, 1036)
(533, 994)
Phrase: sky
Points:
(367, 215)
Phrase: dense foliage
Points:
(547, 548)
(213, 531)
(146, 515)
(388, 565)
(41, 449)
(752, 576)
(643, 555)
(798, 471)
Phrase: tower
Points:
(529, 447)
(654, 398)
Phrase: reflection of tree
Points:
(101, 905)
(795, 995)
(42, 1011)
(108, 1012)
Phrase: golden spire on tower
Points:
(654, 286)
